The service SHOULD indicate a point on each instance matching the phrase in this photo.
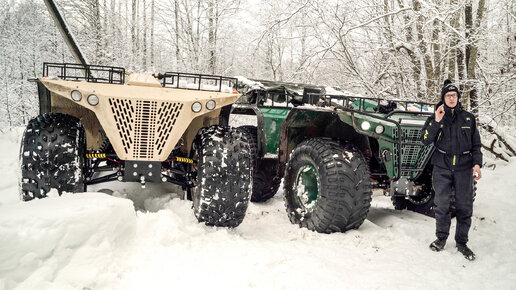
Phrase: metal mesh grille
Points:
(412, 156)
(144, 126)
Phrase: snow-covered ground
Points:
(98, 241)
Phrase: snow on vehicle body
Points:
(333, 147)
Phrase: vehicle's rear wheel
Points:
(266, 181)
(223, 179)
(423, 201)
(327, 187)
(399, 202)
(52, 156)
(265, 177)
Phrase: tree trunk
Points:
(144, 54)
(176, 14)
(472, 51)
(437, 61)
(133, 30)
(416, 71)
(423, 49)
(97, 26)
(211, 37)
(454, 45)
(152, 35)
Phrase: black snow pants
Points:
(444, 180)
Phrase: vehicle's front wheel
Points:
(327, 187)
(223, 181)
(52, 156)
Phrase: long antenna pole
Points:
(65, 32)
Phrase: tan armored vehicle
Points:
(100, 124)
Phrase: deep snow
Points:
(98, 241)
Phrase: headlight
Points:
(196, 107)
(379, 129)
(76, 95)
(93, 100)
(210, 105)
(365, 125)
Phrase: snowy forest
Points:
(394, 49)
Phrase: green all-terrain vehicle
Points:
(99, 124)
(333, 148)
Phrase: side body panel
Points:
(273, 119)
(248, 109)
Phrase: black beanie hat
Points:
(449, 87)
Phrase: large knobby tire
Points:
(399, 202)
(265, 180)
(265, 177)
(423, 204)
(222, 192)
(52, 156)
(327, 187)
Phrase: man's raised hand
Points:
(439, 113)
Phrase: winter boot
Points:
(467, 252)
(438, 245)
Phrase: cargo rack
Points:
(89, 73)
(388, 106)
(200, 82)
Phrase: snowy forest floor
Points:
(98, 241)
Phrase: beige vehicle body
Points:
(143, 120)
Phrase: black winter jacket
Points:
(455, 137)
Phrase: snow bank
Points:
(39, 239)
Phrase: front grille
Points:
(144, 127)
(412, 156)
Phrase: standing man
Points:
(457, 160)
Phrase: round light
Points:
(365, 125)
(196, 107)
(210, 105)
(379, 129)
(93, 100)
(76, 95)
